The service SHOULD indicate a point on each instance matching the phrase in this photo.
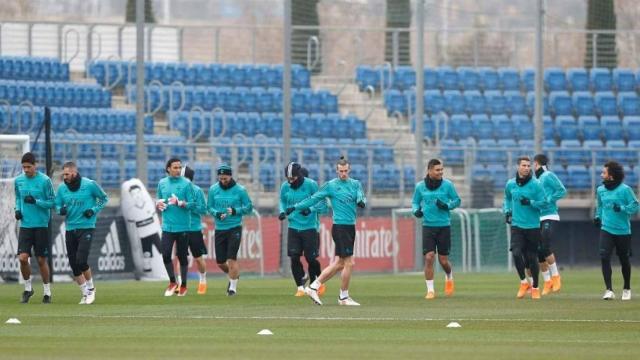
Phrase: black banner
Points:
(110, 250)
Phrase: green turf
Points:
(132, 320)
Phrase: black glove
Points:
(418, 213)
(305, 212)
(29, 199)
(63, 211)
(88, 213)
(219, 215)
(441, 205)
(617, 208)
(233, 211)
(361, 204)
(507, 218)
(18, 215)
(525, 201)
(597, 222)
(290, 210)
(282, 216)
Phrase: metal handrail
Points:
(200, 110)
(160, 93)
(224, 123)
(9, 113)
(106, 73)
(371, 91)
(183, 93)
(89, 59)
(66, 44)
(311, 65)
(32, 109)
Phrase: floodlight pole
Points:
(285, 267)
(539, 90)
(419, 113)
(141, 153)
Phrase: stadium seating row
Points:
(575, 177)
(33, 68)
(62, 94)
(520, 127)
(236, 99)
(195, 124)
(116, 73)
(512, 102)
(83, 120)
(487, 78)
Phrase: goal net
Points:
(11, 149)
(479, 241)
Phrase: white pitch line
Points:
(324, 318)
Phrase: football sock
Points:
(429, 285)
(315, 285)
(344, 294)
(89, 284)
(203, 278)
(27, 284)
(47, 289)
(546, 275)
(83, 288)
(233, 283)
(554, 269)
(449, 276)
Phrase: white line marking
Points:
(326, 318)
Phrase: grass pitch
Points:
(132, 320)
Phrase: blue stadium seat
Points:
(631, 125)
(590, 128)
(600, 79)
(434, 102)
(460, 126)
(629, 103)
(571, 152)
(488, 152)
(404, 78)
(495, 102)
(395, 100)
(515, 103)
(469, 78)
(475, 102)
(489, 78)
(617, 150)
(455, 101)
(598, 148)
(578, 79)
(555, 80)
(624, 80)
(499, 174)
(448, 78)
(579, 176)
(531, 103)
(631, 176)
(612, 127)
(566, 127)
(504, 128)
(528, 79)
(523, 127)
(482, 126)
(509, 79)
(431, 79)
(606, 103)
(560, 103)
(583, 103)
(451, 152)
(367, 76)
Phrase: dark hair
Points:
(304, 172)
(69, 164)
(541, 159)
(343, 161)
(433, 162)
(523, 158)
(188, 173)
(615, 170)
(28, 158)
(169, 163)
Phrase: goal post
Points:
(479, 240)
(11, 149)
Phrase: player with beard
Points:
(228, 203)
(433, 199)
(616, 203)
(523, 197)
(302, 236)
(80, 199)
